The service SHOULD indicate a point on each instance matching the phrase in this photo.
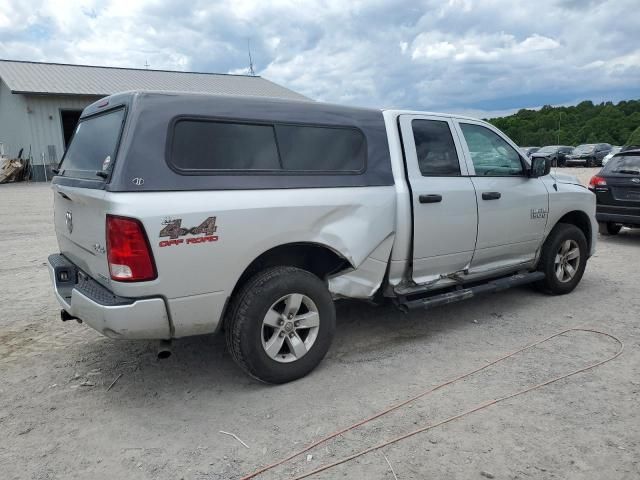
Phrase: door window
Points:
(491, 155)
(435, 149)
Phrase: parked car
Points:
(557, 154)
(182, 214)
(589, 154)
(613, 151)
(529, 150)
(617, 189)
(626, 148)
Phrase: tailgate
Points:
(80, 215)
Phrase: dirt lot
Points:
(161, 420)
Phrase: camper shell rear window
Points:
(210, 146)
(94, 145)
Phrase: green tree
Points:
(634, 138)
(584, 123)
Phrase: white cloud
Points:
(493, 55)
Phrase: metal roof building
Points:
(40, 102)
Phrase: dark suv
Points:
(556, 153)
(589, 154)
(617, 189)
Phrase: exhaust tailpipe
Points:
(66, 316)
(164, 349)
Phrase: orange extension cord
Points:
(450, 419)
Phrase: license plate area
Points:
(65, 275)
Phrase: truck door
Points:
(512, 208)
(443, 197)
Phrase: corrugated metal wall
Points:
(14, 126)
(34, 121)
(45, 126)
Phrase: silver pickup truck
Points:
(181, 214)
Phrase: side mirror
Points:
(540, 166)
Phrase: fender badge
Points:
(538, 213)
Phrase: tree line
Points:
(584, 123)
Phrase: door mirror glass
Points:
(540, 166)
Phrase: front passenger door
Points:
(512, 208)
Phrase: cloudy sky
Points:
(485, 57)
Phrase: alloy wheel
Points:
(567, 261)
(290, 328)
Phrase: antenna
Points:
(146, 65)
(251, 70)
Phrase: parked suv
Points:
(617, 189)
(182, 214)
(589, 154)
(557, 154)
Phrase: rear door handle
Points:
(491, 195)
(430, 198)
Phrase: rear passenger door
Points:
(443, 197)
(512, 208)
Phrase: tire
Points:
(262, 302)
(609, 228)
(563, 234)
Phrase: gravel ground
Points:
(161, 420)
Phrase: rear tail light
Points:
(597, 181)
(128, 251)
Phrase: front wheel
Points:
(280, 324)
(563, 259)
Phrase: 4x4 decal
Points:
(174, 230)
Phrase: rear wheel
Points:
(609, 228)
(563, 259)
(280, 324)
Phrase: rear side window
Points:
(321, 148)
(626, 164)
(208, 146)
(202, 145)
(435, 149)
(93, 145)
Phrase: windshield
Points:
(584, 148)
(549, 149)
(93, 146)
(623, 164)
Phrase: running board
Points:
(465, 293)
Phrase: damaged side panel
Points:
(364, 281)
(212, 237)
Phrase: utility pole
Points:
(559, 118)
(251, 71)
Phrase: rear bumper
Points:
(616, 218)
(101, 309)
(618, 214)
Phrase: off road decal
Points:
(174, 230)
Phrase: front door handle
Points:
(430, 198)
(491, 195)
